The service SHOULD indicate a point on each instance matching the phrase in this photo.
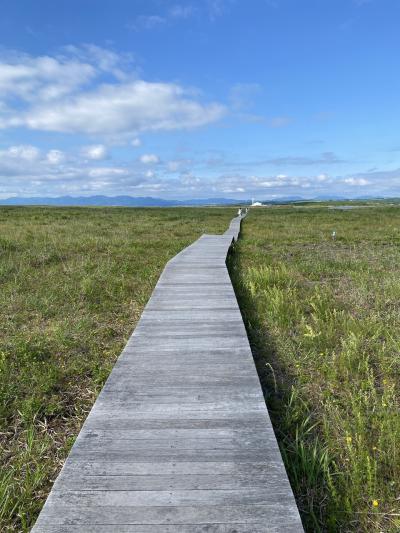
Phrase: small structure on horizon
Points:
(255, 204)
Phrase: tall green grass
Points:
(73, 283)
(323, 317)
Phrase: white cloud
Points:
(101, 172)
(356, 181)
(26, 171)
(125, 108)
(55, 157)
(42, 78)
(66, 93)
(118, 64)
(24, 152)
(149, 159)
(95, 151)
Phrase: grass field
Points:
(73, 284)
(323, 318)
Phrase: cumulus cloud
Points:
(69, 94)
(27, 170)
(125, 108)
(42, 78)
(22, 152)
(149, 159)
(95, 151)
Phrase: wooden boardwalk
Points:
(179, 440)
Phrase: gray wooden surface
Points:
(179, 440)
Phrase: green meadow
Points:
(73, 284)
(323, 318)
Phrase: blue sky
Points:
(205, 98)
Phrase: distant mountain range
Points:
(148, 201)
(122, 201)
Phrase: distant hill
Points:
(122, 201)
(284, 200)
(149, 201)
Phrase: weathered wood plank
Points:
(179, 440)
(172, 528)
(179, 468)
(240, 420)
(159, 482)
(271, 514)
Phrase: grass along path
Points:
(323, 318)
(73, 284)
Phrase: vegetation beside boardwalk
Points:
(73, 283)
(323, 318)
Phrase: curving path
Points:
(179, 440)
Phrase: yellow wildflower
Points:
(349, 440)
(375, 503)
